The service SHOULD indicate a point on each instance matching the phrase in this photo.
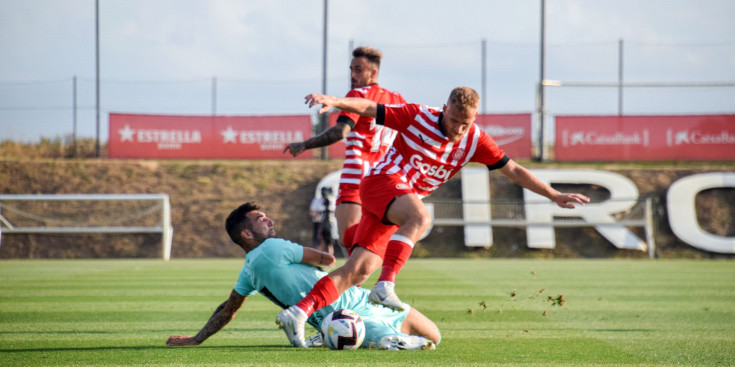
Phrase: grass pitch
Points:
(490, 312)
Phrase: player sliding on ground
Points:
(282, 271)
(432, 145)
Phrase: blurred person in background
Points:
(329, 236)
(315, 212)
(321, 210)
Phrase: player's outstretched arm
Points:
(327, 137)
(318, 258)
(521, 176)
(360, 106)
(221, 317)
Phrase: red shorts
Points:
(348, 193)
(377, 193)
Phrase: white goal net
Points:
(88, 214)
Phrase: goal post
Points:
(88, 214)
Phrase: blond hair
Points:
(373, 55)
(464, 98)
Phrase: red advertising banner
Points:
(206, 137)
(511, 131)
(645, 138)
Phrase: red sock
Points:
(323, 294)
(398, 251)
(349, 238)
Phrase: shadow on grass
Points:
(626, 330)
(58, 332)
(142, 348)
(174, 331)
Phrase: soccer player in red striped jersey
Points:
(432, 145)
(366, 141)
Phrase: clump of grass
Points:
(558, 300)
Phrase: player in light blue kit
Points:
(284, 272)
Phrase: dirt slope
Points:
(204, 192)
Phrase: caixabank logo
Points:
(593, 137)
(698, 137)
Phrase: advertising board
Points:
(205, 137)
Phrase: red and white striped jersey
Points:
(422, 156)
(368, 141)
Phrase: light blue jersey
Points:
(274, 269)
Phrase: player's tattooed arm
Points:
(318, 258)
(327, 137)
(221, 317)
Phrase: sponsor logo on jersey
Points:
(403, 186)
(438, 172)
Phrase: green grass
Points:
(491, 312)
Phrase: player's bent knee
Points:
(417, 323)
(432, 331)
(420, 221)
(437, 339)
(436, 335)
(424, 221)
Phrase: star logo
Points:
(126, 134)
(229, 135)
